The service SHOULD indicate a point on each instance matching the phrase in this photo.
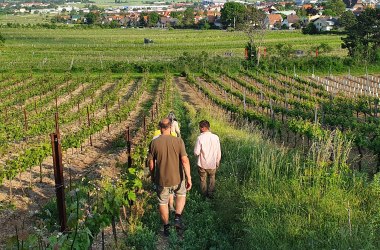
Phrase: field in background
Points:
(25, 19)
(59, 49)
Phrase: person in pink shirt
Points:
(207, 148)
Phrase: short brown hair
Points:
(204, 124)
(165, 123)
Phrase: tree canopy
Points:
(347, 20)
(334, 7)
(188, 17)
(153, 19)
(91, 18)
(363, 36)
(233, 14)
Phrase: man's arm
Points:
(151, 165)
(186, 167)
(197, 148)
(218, 154)
(151, 157)
(176, 128)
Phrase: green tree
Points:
(254, 27)
(363, 38)
(142, 21)
(91, 18)
(233, 14)
(204, 25)
(297, 25)
(114, 24)
(310, 29)
(153, 19)
(335, 7)
(301, 12)
(329, 12)
(188, 17)
(347, 20)
(73, 12)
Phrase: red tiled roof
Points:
(274, 18)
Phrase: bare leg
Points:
(164, 212)
(171, 201)
(179, 204)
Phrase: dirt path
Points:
(190, 94)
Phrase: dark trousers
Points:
(203, 174)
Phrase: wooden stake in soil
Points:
(89, 124)
(144, 126)
(129, 148)
(108, 124)
(56, 103)
(59, 182)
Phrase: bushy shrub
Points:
(310, 29)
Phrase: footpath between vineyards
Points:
(205, 229)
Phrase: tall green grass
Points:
(269, 197)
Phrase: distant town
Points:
(206, 15)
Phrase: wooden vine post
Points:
(108, 124)
(144, 126)
(129, 148)
(58, 175)
(89, 124)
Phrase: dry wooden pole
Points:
(25, 120)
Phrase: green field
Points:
(24, 19)
(46, 49)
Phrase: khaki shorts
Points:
(163, 193)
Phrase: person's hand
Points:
(189, 184)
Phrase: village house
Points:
(271, 20)
(290, 20)
(325, 23)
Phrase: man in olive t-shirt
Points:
(169, 152)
